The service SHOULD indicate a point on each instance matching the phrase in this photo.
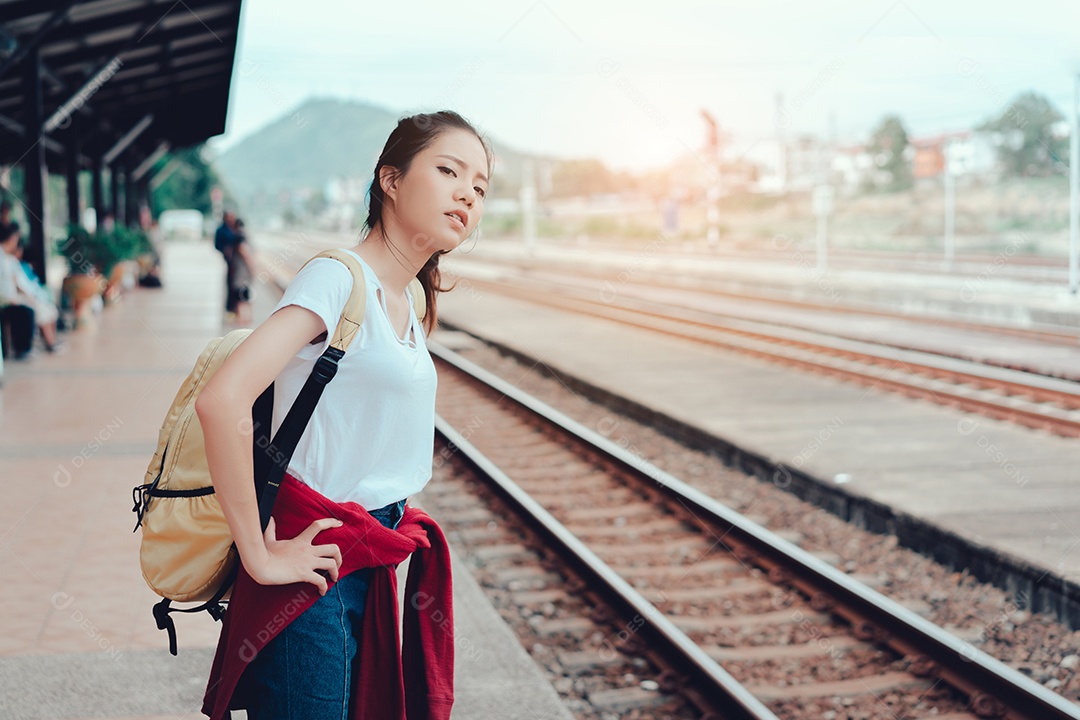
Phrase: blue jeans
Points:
(307, 670)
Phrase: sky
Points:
(626, 82)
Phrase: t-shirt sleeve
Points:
(322, 286)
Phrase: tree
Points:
(316, 203)
(1029, 146)
(188, 182)
(583, 177)
(887, 146)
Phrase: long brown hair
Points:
(412, 135)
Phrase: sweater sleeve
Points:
(322, 286)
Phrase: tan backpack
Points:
(187, 552)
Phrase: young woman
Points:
(370, 439)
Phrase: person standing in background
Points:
(242, 274)
(224, 241)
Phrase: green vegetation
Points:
(187, 178)
(887, 145)
(99, 252)
(1032, 148)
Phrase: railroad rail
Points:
(1027, 399)
(701, 285)
(690, 567)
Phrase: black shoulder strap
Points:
(279, 452)
(281, 449)
(262, 416)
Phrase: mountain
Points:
(321, 140)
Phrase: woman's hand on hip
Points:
(297, 560)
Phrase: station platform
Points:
(77, 430)
(999, 499)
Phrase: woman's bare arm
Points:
(224, 410)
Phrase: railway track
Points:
(700, 286)
(1010, 266)
(750, 625)
(1035, 401)
(1028, 399)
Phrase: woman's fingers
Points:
(330, 566)
(318, 581)
(317, 527)
(316, 564)
(329, 551)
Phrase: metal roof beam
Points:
(82, 96)
(55, 20)
(177, 63)
(17, 127)
(147, 17)
(129, 137)
(184, 75)
(145, 165)
(217, 34)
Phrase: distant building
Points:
(798, 164)
(853, 168)
(969, 153)
(805, 161)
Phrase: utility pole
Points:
(822, 198)
(528, 205)
(1074, 188)
(950, 204)
(822, 201)
(781, 141)
(712, 195)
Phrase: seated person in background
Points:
(40, 290)
(17, 290)
(17, 316)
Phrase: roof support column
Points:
(72, 151)
(114, 192)
(33, 162)
(97, 190)
(146, 198)
(131, 202)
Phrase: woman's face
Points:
(447, 177)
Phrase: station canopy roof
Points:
(157, 71)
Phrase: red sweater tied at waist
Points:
(422, 661)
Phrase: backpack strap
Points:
(352, 315)
(214, 606)
(419, 300)
(284, 444)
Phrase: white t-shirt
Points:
(13, 281)
(371, 438)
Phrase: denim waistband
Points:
(391, 512)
